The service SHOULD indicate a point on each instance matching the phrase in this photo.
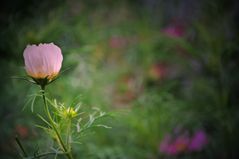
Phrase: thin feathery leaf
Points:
(23, 78)
(74, 101)
(43, 119)
(26, 104)
(59, 75)
(104, 126)
(54, 104)
(65, 70)
(42, 127)
(30, 98)
(76, 142)
(32, 103)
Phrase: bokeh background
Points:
(168, 70)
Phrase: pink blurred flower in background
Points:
(181, 143)
(118, 42)
(165, 143)
(22, 131)
(158, 71)
(174, 31)
(127, 88)
(198, 141)
(174, 146)
(43, 61)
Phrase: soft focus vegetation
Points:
(163, 69)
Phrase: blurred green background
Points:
(164, 68)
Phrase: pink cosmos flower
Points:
(198, 141)
(43, 61)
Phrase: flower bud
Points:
(43, 62)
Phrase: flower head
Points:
(70, 112)
(43, 62)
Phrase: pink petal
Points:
(42, 61)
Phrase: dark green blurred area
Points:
(124, 59)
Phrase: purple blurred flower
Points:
(172, 150)
(183, 142)
(176, 146)
(198, 141)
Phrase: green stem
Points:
(69, 136)
(68, 153)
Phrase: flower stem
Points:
(68, 153)
(68, 134)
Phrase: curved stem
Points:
(68, 153)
